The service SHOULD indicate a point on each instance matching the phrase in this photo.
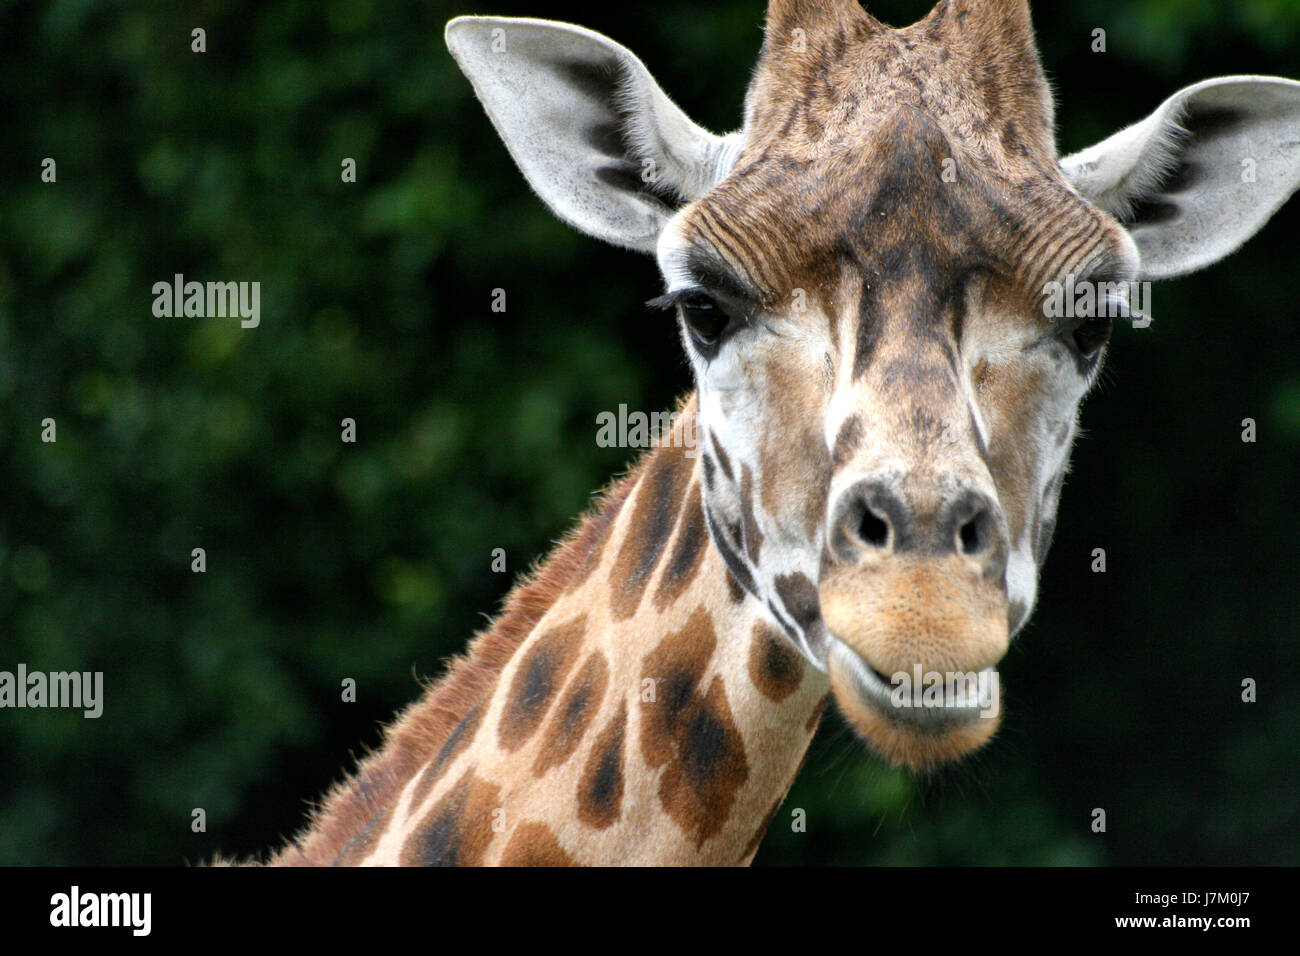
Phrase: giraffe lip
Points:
(904, 703)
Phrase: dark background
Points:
(372, 560)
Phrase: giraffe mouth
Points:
(915, 719)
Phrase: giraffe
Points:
(864, 481)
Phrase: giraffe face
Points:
(882, 466)
(885, 407)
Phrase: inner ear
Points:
(1200, 175)
(631, 162)
(588, 126)
(1178, 171)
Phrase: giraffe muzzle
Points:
(912, 657)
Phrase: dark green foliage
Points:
(372, 560)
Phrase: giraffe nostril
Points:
(977, 537)
(873, 530)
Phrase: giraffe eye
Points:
(1091, 336)
(705, 318)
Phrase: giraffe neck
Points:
(631, 706)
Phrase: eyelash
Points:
(1115, 307)
(682, 300)
(669, 301)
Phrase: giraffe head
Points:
(863, 276)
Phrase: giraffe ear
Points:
(1200, 175)
(588, 126)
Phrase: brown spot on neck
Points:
(533, 844)
(775, 667)
(600, 789)
(457, 741)
(574, 715)
(659, 497)
(687, 554)
(458, 830)
(538, 680)
(691, 733)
